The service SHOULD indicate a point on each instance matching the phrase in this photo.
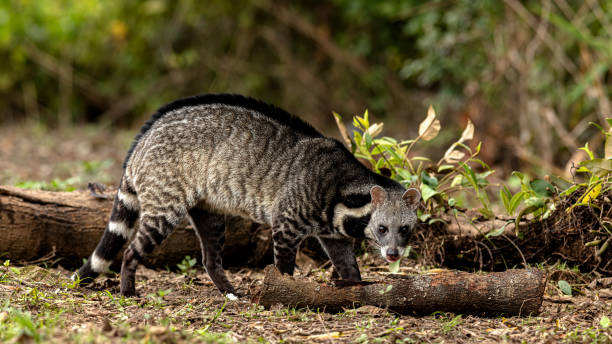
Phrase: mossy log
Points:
(512, 292)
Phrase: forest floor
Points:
(38, 303)
(42, 305)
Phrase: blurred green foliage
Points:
(536, 70)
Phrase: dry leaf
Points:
(326, 336)
(432, 132)
(342, 128)
(453, 156)
(468, 132)
(431, 116)
(375, 129)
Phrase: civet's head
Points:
(392, 220)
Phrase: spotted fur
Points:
(203, 157)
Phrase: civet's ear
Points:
(379, 195)
(412, 197)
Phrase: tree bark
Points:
(37, 225)
(513, 292)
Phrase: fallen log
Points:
(37, 225)
(512, 292)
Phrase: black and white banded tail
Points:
(118, 231)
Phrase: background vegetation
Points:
(522, 77)
(529, 74)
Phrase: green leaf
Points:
(523, 212)
(604, 322)
(482, 163)
(423, 216)
(406, 142)
(505, 196)
(457, 180)
(497, 231)
(569, 191)
(482, 178)
(357, 137)
(471, 176)
(565, 287)
(542, 187)
(385, 141)
(427, 192)
(393, 153)
(394, 267)
(445, 167)
(537, 202)
(515, 201)
(464, 146)
(405, 174)
(368, 140)
(519, 175)
(377, 150)
(588, 151)
(429, 180)
(596, 165)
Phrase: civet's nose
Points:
(392, 254)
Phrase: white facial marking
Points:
(99, 264)
(119, 228)
(341, 212)
(383, 251)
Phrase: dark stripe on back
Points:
(356, 200)
(277, 114)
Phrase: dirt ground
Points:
(40, 304)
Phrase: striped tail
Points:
(118, 232)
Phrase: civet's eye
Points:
(382, 229)
(405, 229)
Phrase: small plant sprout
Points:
(187, 265)
(386, 289)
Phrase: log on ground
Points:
(512, 292)
(36, 224)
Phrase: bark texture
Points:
(513, 292)
(37, 225)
